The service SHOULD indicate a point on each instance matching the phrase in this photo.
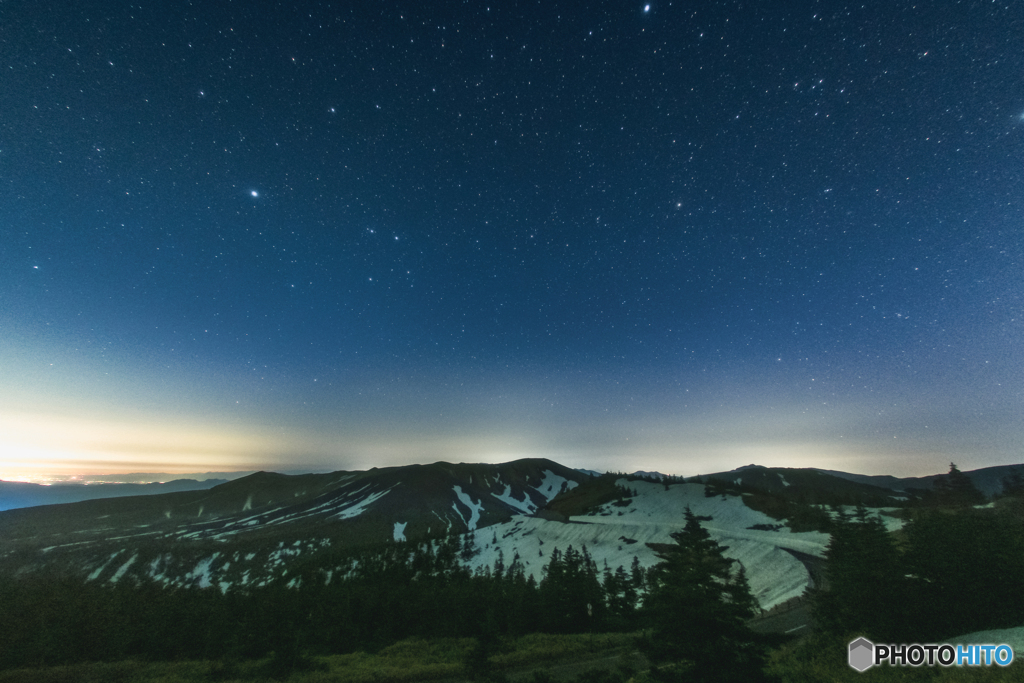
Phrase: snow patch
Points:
(123, 568)
(474, 508)
(551, 485)
(524, 506)
(447, 521)
(202, 572)
(248, 503)
(399, 533)
(359, 508)
(99, 570)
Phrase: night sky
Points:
(682, 236)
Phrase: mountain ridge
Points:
(269, 527)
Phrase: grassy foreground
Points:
(409, 660)
(536, 657)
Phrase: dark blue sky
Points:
(683, 236)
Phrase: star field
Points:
(668, 236)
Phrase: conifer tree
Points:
(1013, 484)
(863, 578)
(571, 593)
(956, 489)
(966, 571)
(697, 607)
(637, 576)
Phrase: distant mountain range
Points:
(269, 527)
(16, 494)
(988, 480)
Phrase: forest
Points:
(954, 568)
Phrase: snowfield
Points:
(613, 535)
(618, 533)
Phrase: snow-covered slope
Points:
(262, 523)
(264, 527)
(616, 533)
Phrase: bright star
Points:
(254, 193)
(647, 8)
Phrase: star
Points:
(254, 193)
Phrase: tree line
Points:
(693, 606)
(394, 593)
(956, 567)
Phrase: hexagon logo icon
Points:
(862, 654)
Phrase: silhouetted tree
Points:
(966, 571)
(1013, 484)
(864, 579)
(697, 606)
(956, 489)
(571, 593)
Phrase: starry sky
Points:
(674, 236)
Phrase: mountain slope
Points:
(617, 531)
(870, 489)
(267, 510)
(269, 527)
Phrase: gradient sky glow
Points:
(683, 237)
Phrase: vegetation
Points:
(393, 594)
(954, 569)
(822, 657)
(712, 642)
(413, 659)
(415, 612)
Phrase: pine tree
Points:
(469, 547)
(956, 489)
(571, 593)
(697, 607)
(499, 565)
(637, 576)
(1013, 484)
(620, 598)
(863, 577)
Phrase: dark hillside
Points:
(267, 518)
(804, 485)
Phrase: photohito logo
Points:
(863, 654)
